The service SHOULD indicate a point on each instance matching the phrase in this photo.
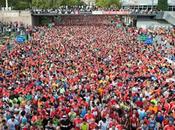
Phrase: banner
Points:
(117, 12)
(50, 25)
(21, 38)
(149, 41)
(119, 25)
(8, 73)
(85, 12)
(142, 38)
(97, 12)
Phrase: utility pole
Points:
(6, 3)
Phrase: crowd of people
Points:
(63, 10)
(88, 78)
(66, 10)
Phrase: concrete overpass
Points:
(29, 18)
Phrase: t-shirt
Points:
(103, 125)
(168, 127)
(12, 124)
(77, 122)
(93, 126)
(152, 124)
(84, 126)
(142, 114)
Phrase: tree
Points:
(108, 3)
(43, 4)
(2, 3)
(114, 3)
(19, 4)
(70, 2)
(102, 3)
(163, 5)
(29, 2)
(56, 3)
(80, 2)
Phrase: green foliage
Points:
(20, 5)
(71, 2)
(41, 3)
(163, 5)
(44, 4)
(55, 3)
(2, 3)
(101, 3)
(17, 4)
(108, 3)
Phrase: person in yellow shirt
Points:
(84, 126)
(100, 91)
(153, 108)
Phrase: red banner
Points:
(116, 12)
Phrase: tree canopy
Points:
(25, 4)
(108, 3)
(163, 5)
(17, 4)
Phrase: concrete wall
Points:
(169, 17)
(16, 16)
(146, 23)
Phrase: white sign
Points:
(97, 12)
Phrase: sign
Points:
(85, 12)
(50, 25)
(149, 41)
(142, 37)
(8, 73)
(21, 38)
(119, 25)
(97, 12)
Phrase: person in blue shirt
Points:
(159, 118)
(152, 123)
(142, 113)
(83, 112)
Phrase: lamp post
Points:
(6, 3)
(152, 4)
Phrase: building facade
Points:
(144, 4)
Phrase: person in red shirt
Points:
(119, 127)
(134, 122)
(77, 122)
(93, 125)
(89, 116)
(165, 121)
(170, 126)
(167, 106)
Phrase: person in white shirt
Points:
(12, 123)
(103, 124)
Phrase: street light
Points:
(6, 4)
